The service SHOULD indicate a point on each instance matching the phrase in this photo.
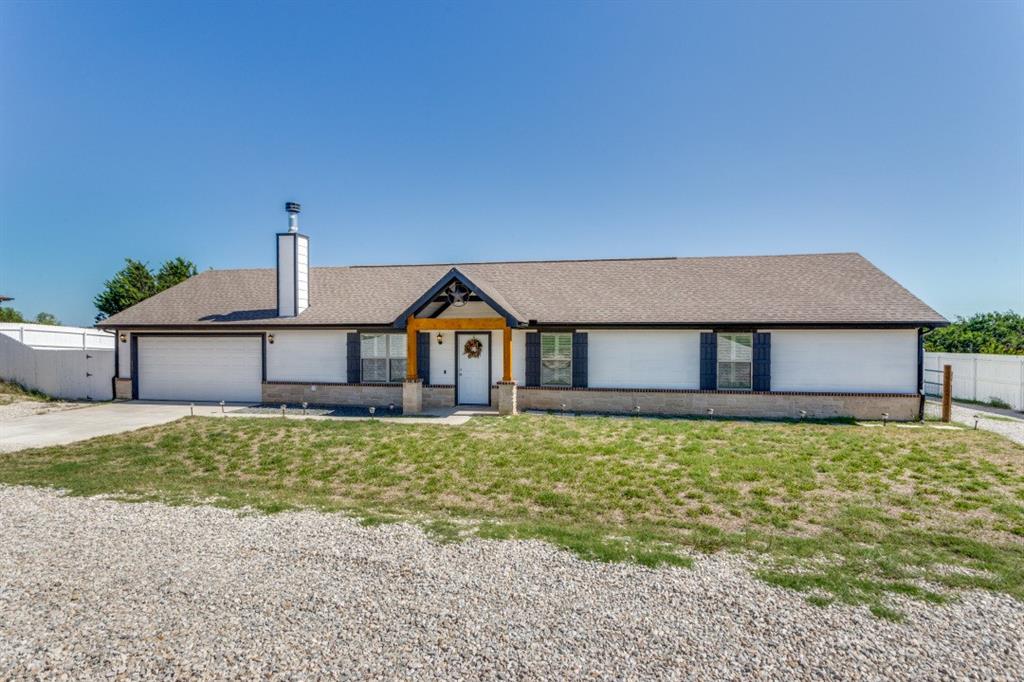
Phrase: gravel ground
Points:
(25, 408)
(93, 588)
(1012, 428)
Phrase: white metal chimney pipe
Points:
(293, 216)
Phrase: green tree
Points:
(47, 318)
(999, 333)
(10, 315)
(173, 272)
(136, 282)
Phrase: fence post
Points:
(21, 334)
(947, 392)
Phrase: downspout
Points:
(117, 366)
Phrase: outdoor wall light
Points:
(440, 338)
(270, 338)
(123, 337)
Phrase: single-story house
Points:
(815, 335)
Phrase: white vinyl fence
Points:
(74, 363)
(977, 376)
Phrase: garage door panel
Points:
(200, 368)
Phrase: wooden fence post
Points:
(947, 392)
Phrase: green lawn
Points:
(838, 511)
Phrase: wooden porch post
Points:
(411, 371)
(506, 354)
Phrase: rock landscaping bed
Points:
(94, 588)
(296, 410)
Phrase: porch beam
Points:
(424, 324)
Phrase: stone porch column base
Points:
(507, 397)
(412, 396)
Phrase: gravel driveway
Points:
(92, 587)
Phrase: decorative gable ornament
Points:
(457, 294)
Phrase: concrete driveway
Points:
(68, 426)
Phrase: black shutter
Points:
(708, 361)
(423, 356)
(354, 352)
(533, 359)
(579, 360)
(762, 362)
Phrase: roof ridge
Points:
(455, 264)
(595, 260)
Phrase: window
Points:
(382, 357)
(735, 361)
(556, 359)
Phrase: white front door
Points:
(474, 372)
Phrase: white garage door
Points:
(200, 368)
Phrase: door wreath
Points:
(473, 348)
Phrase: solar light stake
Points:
(391, 407)
(976, 418)
(711, 412)
(885, 418)
(191, 409)
(222, 407)
(304, 406)
(803, 413)
(636, 410)
(372, 410)
(283, 406)
(563, 409)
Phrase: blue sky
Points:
(427, 132)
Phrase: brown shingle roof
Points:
(835, 288)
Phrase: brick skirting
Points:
(782, 405)
(363, 395)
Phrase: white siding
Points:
(124, 356)
(643, 359)
(308, 356)
(302, 269)
(442, 357)
(286, 275)
(471, 309)
(868, 360)
(518, 356)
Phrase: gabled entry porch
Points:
(473, 339)
(482, 327)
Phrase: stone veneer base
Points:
(122, 389)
